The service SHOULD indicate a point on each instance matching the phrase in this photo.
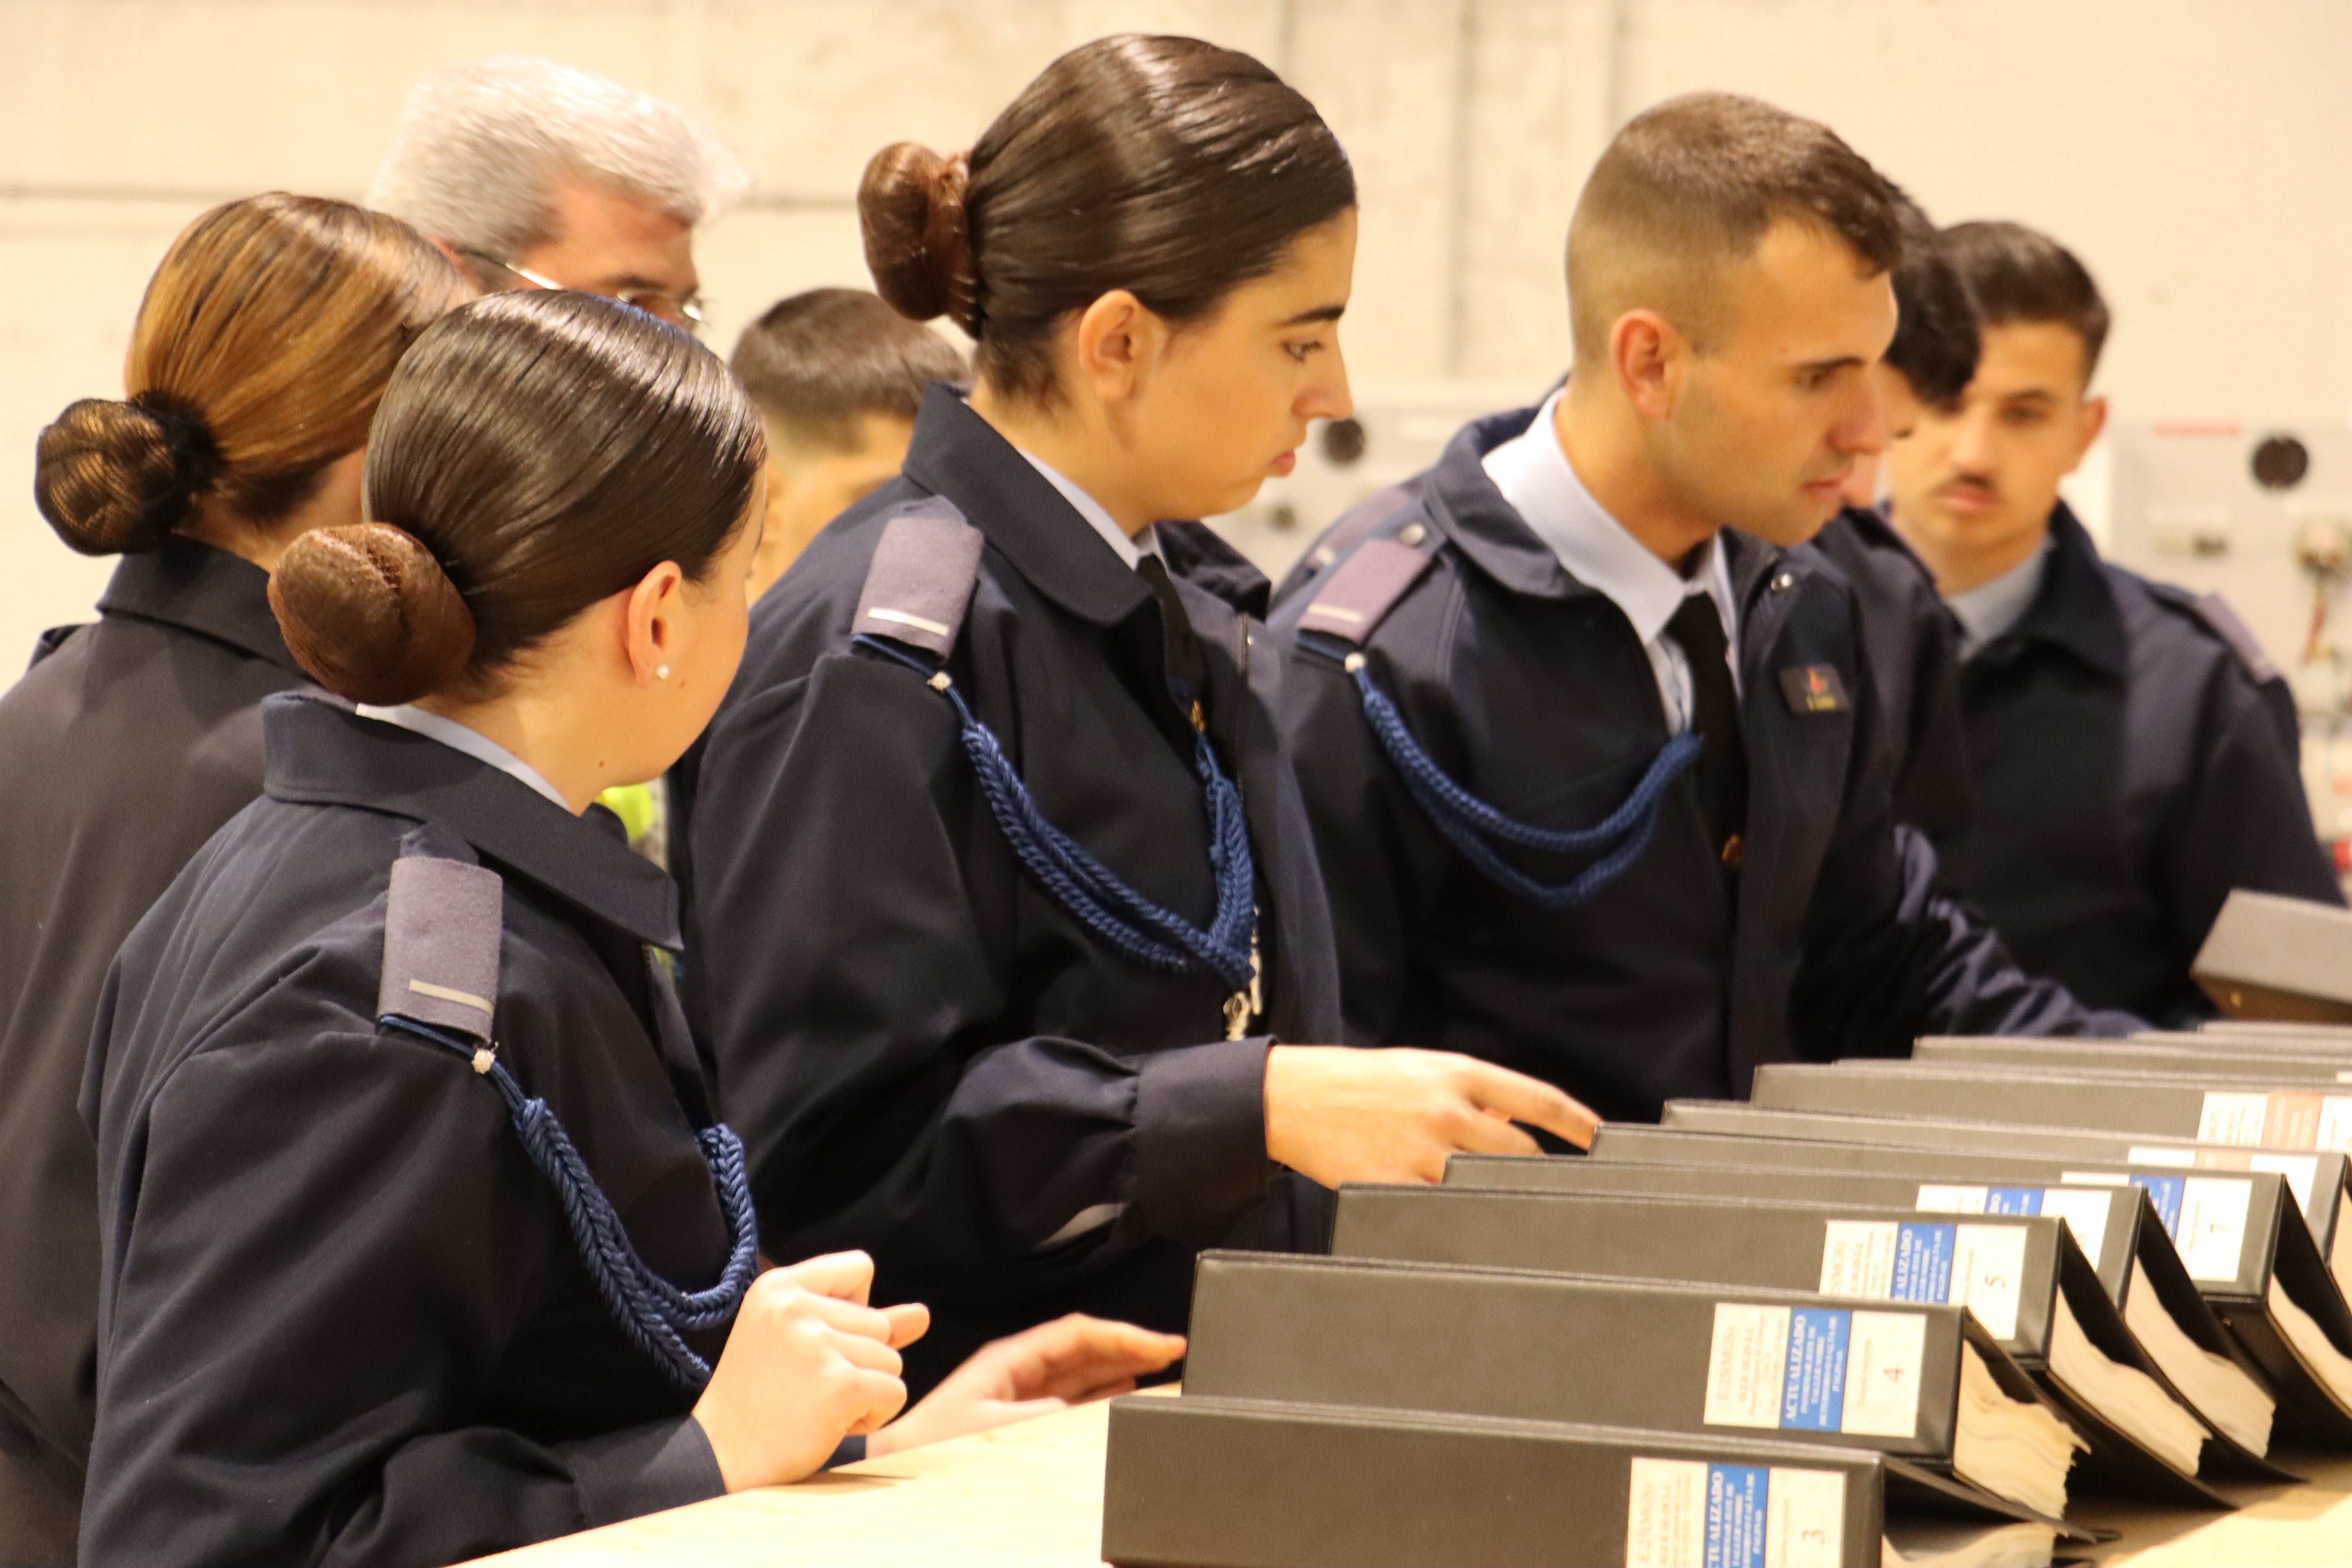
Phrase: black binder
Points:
(2320, 1180)
(1203, 1482)
(2278, 958)
(1549, 1347)
(2021, 1265)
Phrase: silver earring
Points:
(661, 672)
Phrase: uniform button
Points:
(1784, 582)
(1734, 851)
(1411, 534)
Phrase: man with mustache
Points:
(2132, 755)
(1596, 781)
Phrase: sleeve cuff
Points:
(1199, 1138)
(645, 1469)
(852, 1449)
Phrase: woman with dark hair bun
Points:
(418, 1238)
(258, 354)
(1008, 940)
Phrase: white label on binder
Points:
(2085, 1211)
(1883, 1356)
(1805, 1523)
(2151, 1154)
(2212, 1229)
(2300, 1169)
(2334, 1124)
(1941, 1199)
(2230, 1119)
(1745, 1363)
(1688, 1513)
(1858, 1258)
(1987, 1261)
(1666, 1514)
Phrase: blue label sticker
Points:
(2013, 1200)
(1813, 1396)
(1738, 1502)
(2167, 1190)
(1923, 1262)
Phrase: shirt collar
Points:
(202, 589)
(1534, 474)
(2075, 607)
(473, 743)
(959, 454)
(1131, 550)
(1993, 607)
(320, 751)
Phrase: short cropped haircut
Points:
(2018, 274)
(1689, 188)
(481, 147)
(816, 363)
(1936, 342)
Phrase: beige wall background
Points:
(2197, 152)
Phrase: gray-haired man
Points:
(535, 174)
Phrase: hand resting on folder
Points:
(808, 1363)
(1334, 1113)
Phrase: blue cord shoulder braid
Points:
(910, 612)
(442, 926)
(1342, 616)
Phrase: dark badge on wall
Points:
(1813, 689)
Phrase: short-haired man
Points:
(537, 175)
(1492, 701)
(2132, 755)
(838, 377)
(1910, 644)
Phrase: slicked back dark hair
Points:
(2018, 274)
(818, 362)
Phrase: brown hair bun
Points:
(910, 209)
(115, 479)
(369, 611)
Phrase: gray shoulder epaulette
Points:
(1352, 600)
(2214, 612)
(443, 923)
(920, 581)
(1357, 523)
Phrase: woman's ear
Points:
(1118, 339)
(653, 623)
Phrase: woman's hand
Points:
(1068, 1362)
(807, 1363)
(1337, 1114)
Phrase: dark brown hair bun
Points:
(115, 479)
(369, 611)
(910, 208)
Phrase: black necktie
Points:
(1180, 649)
(1697, 628)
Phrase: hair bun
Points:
(369, 611)
(911, 207)
(115, 479)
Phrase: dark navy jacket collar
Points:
(203, 590)
(2076, 611)
(956, 454)
(1199, 555)
(320, 752)
(1471, 511)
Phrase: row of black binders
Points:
(1892, 1313)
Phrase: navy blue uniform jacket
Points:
(1530, 688)
(925, 1055)
(341, 1316)
(2128, 770)
(1911, 654)
(124, 747)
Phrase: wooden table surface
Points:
(1032, 1495)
